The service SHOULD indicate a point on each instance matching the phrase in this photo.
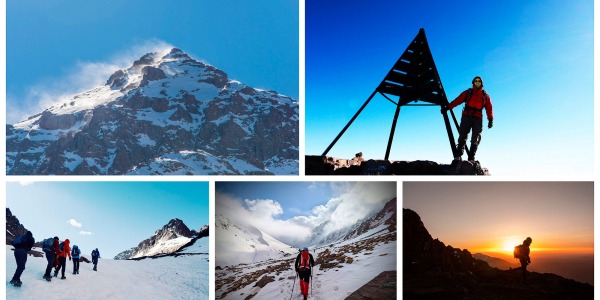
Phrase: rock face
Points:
(432, 270)
(326, 165)
(166, 114)
(13, 227)
(172, 237)
(381, 287)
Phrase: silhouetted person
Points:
(476, 100)
(522, 253)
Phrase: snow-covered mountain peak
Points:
(168, 113)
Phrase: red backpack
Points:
(305, 260)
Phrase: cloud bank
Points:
(353, 202)
(86, 233)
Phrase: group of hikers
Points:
(56, 254)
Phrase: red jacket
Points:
(475, 104)
(66, 249)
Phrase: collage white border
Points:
(302, 177)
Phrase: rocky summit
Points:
(433, 270)
(167, 114)
(169, 239)
(327, 165)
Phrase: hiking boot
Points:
(63, 277)
(17, 283)
(12, 281)
(56, 274)
(47, 277)
(458, 158)
(471, 158)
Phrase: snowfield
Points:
(181, 277)
(328, 283)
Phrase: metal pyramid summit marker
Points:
(413, 78)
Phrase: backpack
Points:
(75, 251)
(47, 244)
(94, 253)
(18, 240)
(305, 260)
(61, 246)
(519, 252)
(469, 93)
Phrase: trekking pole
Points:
(292, 294)
(311, 280)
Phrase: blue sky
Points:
(535, 58)
(289, 211)
(118, 215)
(52, 45)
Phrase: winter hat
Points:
(305, 249)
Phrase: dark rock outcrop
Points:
(383, 286)
(326, 165)
(13, 227)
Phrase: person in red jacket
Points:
(303, 265)
(476, 99)
(62, 258)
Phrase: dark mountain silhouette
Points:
(496, 262)
(433, 270)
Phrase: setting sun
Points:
(509, 243)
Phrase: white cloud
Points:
(25, 183)
(354, 201)
(82, 76)
(86, 233)
(74, 223)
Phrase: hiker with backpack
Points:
(64, 251)
(521, 253)
(303, 265)
(95, 256)
(22, 243)
(476, 99)
(75, 252)
(50, 248)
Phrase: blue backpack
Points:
(47, 244)
(75, 252)
(18, 240)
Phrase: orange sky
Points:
(496, 216)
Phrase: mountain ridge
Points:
(166, 114)
(433, 270)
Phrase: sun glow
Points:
(509, 243)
